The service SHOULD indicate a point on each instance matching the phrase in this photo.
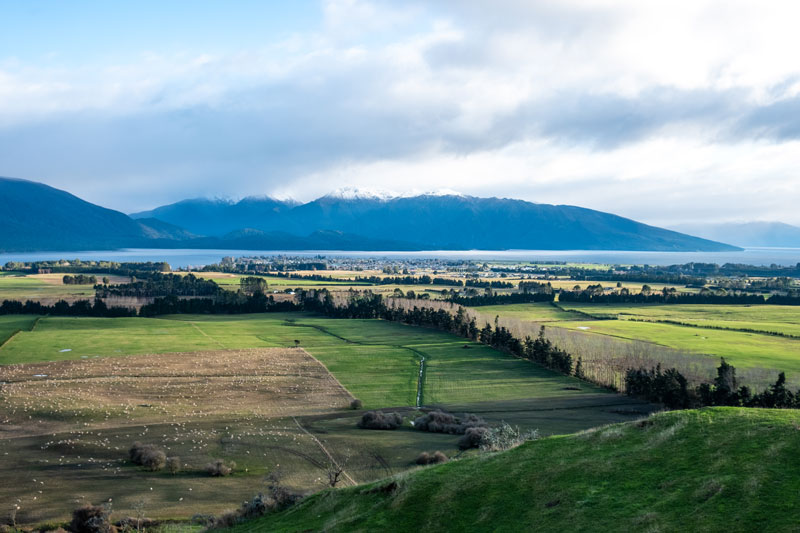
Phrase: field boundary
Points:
(717, 328)
(334, 378)
(203, 333)
(2, 344)
(420, 379)
(325, 450)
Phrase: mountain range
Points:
(39, 217)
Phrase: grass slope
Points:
(720, 469)
(11, 324)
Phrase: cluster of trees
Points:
(671, 388)
(498, 299)
(252, 284)
(486, 284)
(691, 274)
(152, 284)
(409, 280)
(590, 295)
(535, 286)
(79, 279)
(377, 280)
(63, 266)
(62, 308)
(670, 296)
(225, 303)
(263, 265)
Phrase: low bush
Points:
(436, 457)
(91, 519)
(505, 437)
(219, 468)
(441, 422)
(356, 404)
(380, 420)
(174, 464)
(148, 456)
(258, 506)
(472, 437)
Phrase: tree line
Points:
(153, 284)
(498, 299)
(667, 297)
(79, 279)
(671, 388)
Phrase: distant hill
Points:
(774, 234)
(39, 217)
(718, 469)
(34, 217)
(216, 218)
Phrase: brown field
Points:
(264, 383)
(66, 427)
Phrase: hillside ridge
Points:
(715, 469)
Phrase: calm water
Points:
(183, 258)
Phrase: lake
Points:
(183, 257)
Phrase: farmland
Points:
(270, 392)
(693, 328)
(45, 288)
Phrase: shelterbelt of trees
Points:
(596, 296)
(78, 266)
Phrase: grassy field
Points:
(11, 324)
(535, 312)
(377, 361)
(632, 322)
(46, 288)
(236, 387)
(741, 349)
(720, 469)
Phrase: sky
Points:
(667, 112)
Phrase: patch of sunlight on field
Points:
(741, 349)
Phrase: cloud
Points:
(594, 103)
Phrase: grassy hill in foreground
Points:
(718, 469)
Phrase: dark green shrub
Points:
(148, 456)
(380, 420)
(219, 468)
(91, 519)
(436, 457)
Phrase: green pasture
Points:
(534, 312)
(640, 322)
(11, 324)
(741, 349)
(24, 288)
(783, 319)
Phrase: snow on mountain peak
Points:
(353, 193)
(357, 193)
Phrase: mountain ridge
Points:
(754, 233)
(40, 217)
